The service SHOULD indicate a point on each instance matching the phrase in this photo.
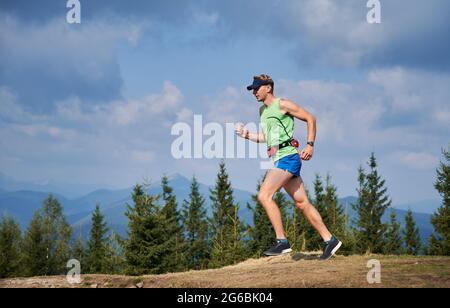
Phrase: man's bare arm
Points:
(298, 112)
(255, 137)
(289, 107)
(243, 132)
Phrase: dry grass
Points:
(292, 271)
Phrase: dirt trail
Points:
(292, 271)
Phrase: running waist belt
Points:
(273, 150)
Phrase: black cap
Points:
(257, 83)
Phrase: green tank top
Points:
(277, 128)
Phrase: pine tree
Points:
(295, 229)
(372, 203)
(411, 235)
(261, 233)
(10, 246)
(314, 240)
(227, 248)
(58, 233)
(293, 222)
(319, 201)
(115, 261)
(301, 234)
(394, 241)
(79, 253)
(335, 218)
(46, 247)
(439, 243)
(96, 251)
(174, 256)
(35, 248)
(238, 250)
(195, 229)
(145, 244)
(434, 246)
(284, 206)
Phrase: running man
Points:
(277, 121)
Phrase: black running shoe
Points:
(330, 248)
(279, 249)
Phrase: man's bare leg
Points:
(275, 179)
(296, 189)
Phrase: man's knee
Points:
(302, 205)
(264, 197)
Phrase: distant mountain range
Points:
(70, 190)
(428, 206)
(422, 220)
(21, 204)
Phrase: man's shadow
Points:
(302, 256)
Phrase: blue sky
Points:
(95, 102)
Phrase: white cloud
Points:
(35, 130)
(354, 115)
(75, 60)
(142, 156)
(124, 113)
(135, 33)
(392, 107)
(77, 135)
(411, 90)
(185, 115)
(336, 33)
(209, 19)
(442, 116)
(71, 111)
(62, 45)
(74, 111)
(332, 103)
(367, 115)
(328, 31)
(149, 107)
(401, 88)
(416, 160)
(230, 106)
(11, 110)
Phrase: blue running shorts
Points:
(291, 163)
